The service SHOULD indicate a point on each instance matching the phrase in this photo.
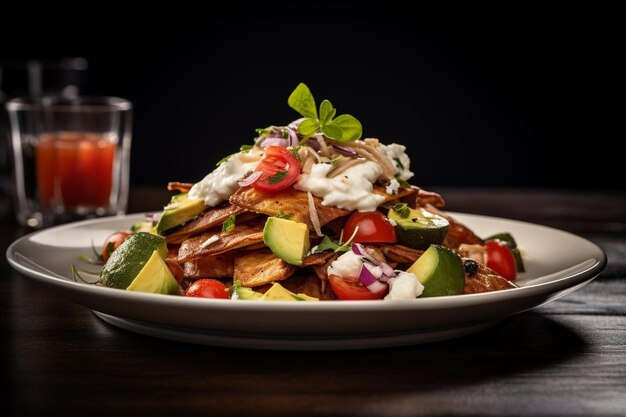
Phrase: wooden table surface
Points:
(566, 358)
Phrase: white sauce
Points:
(220, 184)
(352, 190)
(392, 188)
(349, 265)
(395, 153)
(404, 286)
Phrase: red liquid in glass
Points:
(75, 169)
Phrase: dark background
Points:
(481, 97)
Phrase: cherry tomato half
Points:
(353, 289)
(207, 288)
(112, 243)
(280, 170)
(373, 228)
(501, 259)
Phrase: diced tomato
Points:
(280, 170)
(500, 258)
(353, 289)
(112, 243)
(207, 288)
(373, 228)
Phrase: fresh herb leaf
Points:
(328, 244)
(294, 151)
(327, 112)
(245, 148)
(308, 127)
(403, 182)
(224, 159)
(277, 177)
(302, 101)
(351, 128)
(283, 214)
(229, 223)
(402, 209)
(344, 128)
(399, 164)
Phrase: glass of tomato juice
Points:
(71, 157)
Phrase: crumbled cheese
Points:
(392, 188)
(399, 159)
(404, 286)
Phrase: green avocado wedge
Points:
(155, 277)
(180, 210)
(441, 272)
(287, 239)
(129, 259)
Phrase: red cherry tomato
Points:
(353, 289)
(501, 259)
(373, 228)
(280, 170)
(112, 243)
(207, 288)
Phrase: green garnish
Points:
(343, 128)
(245, 148)
(294, 151)
(328, 244)
(242, 149)
(277, 177)
(402, 209)
(399, 164)
(229, 223)
(403, 182)
(283, 214)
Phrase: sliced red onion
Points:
(153, 217)
(345, 151)
(274, 142)
(369, 280)
(294, 125)
(313, 143)
(293, 137)
(361, 251)
(387, 270)
(250, 179)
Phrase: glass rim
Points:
(78, 104)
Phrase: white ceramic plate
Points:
(557, 263)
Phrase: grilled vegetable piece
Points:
(420, 228)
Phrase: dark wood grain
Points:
(565, 358)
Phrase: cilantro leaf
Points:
(229, 223)
(403, 182)
(277, 177)
(294, 152)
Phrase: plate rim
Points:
(458, 301)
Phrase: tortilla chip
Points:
(317, 258)
(261, 267)
(402, 192)
(243, 235)
(289, 200)
(309, 285)
(486, 280)
(210, 218)
(219, 266)
(401, 254)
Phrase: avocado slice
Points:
(155, 277)
(288, 240)
(129, 259)
(441, 272)
(279, 293)
(420, 228)
(180, 210)
(243, 293)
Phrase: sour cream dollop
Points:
(352, 190)
(220, 184)
(399, 159)
(404, 286)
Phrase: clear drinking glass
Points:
(71, 157)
